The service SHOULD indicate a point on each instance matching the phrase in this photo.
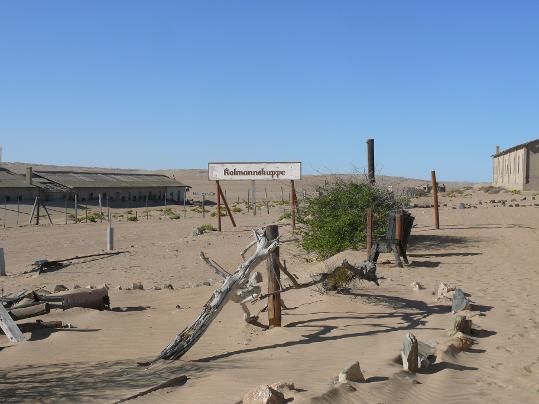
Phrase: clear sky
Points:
(175, 84)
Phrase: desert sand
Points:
(487, 249)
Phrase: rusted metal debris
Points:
(45, 265)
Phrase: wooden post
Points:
(76, 209)
(293, 203)
(370, 152)
(218, 206)
(184, 202)
(435, 195)
(253, 194)
(273, 268)
(100, 209)
(248, 201)
(282, 195)
(398, 226)
(5, 212)
(33, 211)
(37, 210)
(65, 203)
(203, 205)
(46, 211)
(18, 209)
(369, 231)
(266, 193)
(165, 197)
(220, 190)
(2, 263)
(147, 213)
(267, 206)
(110, 236)
(409, 353)
(108, 207)
(86, 212)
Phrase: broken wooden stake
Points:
(409, 353)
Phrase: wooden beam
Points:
(220, 190)
(9, 327)
(273, 269)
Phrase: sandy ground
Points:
(489, 251)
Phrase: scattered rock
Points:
(60, 288)
(168, 286)
(157, 287)
(206, 283)
(443, 291)
(118, 287)
(281, 386)
(461, 206)
(137, 286)
(90, 287)
(263, 395)
(104, 285)
(76, 286)
(351, 373)
(462, 342)
(416, 286)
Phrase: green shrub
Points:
(237, 209)
(337, 219)
(516, 192)
(207, 227)
(171, 214)
(132, 218)
(223, 212)
(286, 215)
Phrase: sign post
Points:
(258, 171)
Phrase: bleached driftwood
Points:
(461, 324)
(190, 335)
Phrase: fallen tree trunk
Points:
(190, 335)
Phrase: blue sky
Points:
(175, 84)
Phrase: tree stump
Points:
(462, 325)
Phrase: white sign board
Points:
(254, 171)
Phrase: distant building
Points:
(517, 168)
(14, 186)
(114, 186)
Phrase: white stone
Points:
(263, 395)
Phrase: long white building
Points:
(517, 168)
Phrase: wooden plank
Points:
(9, 327)
(273, 268)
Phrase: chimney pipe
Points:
(29, 175)
(497, 149)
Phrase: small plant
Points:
(132, 218)
(207, 227)
(129, 212)
(339, 280)
(237, 209)
(516, 192)
(171, 214)
(286, 215)
(222, 213)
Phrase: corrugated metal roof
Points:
(11, 180)
(519, 146)
(75, 179)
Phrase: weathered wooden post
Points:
(33, 211)
(184, 202)
(282, 195)
(86, 212)
(5, 212)
(2, 263)
(370, 152)
(435, 196)
(66, 197)
(203, 205)
(399, 222)
(18, 209)
(293, 202)
(38, 203)
(76, 209)
(147, 213)
(253, 192)
(409, 353)
(369, 231)
(273, 268)
(100, 209)
(110, 235)
(248, 201)
(108, 207)
(218, 206)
